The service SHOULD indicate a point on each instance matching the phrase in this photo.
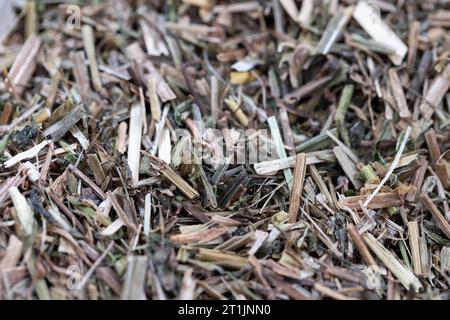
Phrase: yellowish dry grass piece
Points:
(413, 232)
(204, 4)
(42, 115)
(23, 210)
(223, 259)
(153, 97)
(134, 140)
(241, 77)
(370, 21)
(442, 223)
(406, 277)
(297, 186)
(435, 93)
(236, 109)
(173, 177)
(30, 19)
(201, 236)
(89, 47)
(399, 94)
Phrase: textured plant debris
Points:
(225, 149)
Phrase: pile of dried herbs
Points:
(324, 135)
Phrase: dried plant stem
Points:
(392, 167)
(442, 223)
(413, 232)
(297, 186)
(406, 277)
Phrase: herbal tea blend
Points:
(201, 149)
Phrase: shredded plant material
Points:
(201, 149)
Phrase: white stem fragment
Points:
(134, 141)
(147, 213)
(30, 153)
(23, 210)
(370, 21)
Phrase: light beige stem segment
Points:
(23, 210)
(89, 46)
(406, 277)
(370, 20)
(399, 94)
(134, 141)
(413, 231)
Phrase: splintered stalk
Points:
(413, 232)
(406, 277)
(280, 147)
(224, 259)
(334, 30)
